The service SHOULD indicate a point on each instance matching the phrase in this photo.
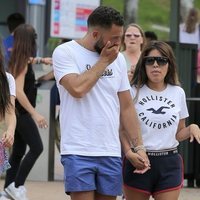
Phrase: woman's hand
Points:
(131, 72)
(194, 133)
(137, 161)
(8, 138)
(40, 120)
(46, 61)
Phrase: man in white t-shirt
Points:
(92, 80)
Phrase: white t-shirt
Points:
(128, 62)
(11, 82)
(89, 125)
(189, 38)
(159, 114)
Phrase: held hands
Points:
(110, 52)
(139, 160)
(194, 133)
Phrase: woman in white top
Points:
(189, 31)
(161, 108)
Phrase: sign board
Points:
(69, 17)
(37, 2)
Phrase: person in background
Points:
(150, 35)
(7, 113)
(91, 76)
(189, 31)
(161, 107)
(13, 21)
(133, 43)
(26, 132)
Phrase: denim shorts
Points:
(166, 174)
(100, 174)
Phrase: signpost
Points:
(69, 17)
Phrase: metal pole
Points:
(174, 20)
(36, 17)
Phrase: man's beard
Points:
(99, 46)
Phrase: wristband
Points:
(140, 147)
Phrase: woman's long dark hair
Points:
(140, 76)
(4, 88)
(24, 48)
(192, 20)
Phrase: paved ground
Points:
(54, 191)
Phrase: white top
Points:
(189, 38)
(89, 125)
(11, 82)
(159, 114)
(128, 62)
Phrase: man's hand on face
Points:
(109, 52)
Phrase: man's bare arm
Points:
(79, 84)
(129, 119)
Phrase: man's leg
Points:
(104, 197)
(82, 195)
(108, 178)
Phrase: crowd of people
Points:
(22, 128)
(120, 97)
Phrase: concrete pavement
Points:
(54, 190)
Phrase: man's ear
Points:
(95, 34)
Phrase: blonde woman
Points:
(133, 43)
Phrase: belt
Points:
(162, 152)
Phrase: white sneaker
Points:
(16, 193)
(4, 196)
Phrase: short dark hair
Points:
(151, 35)
(105, 17)
(14, 20)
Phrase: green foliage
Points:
(150, 12)
(154, 12)
(117, 4)
(197, 3)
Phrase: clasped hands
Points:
(139, 160)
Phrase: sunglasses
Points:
(128, 35)
(35, 35)
(149, 60)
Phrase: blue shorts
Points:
(83, 173)
(166, 174)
